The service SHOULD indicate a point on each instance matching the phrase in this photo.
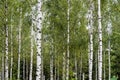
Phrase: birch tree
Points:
(63, 71)
(19, 41)
(51, 61)
(109, 27)
(38, 38)
(31, 55)
(90, 25)
(6, 41)
(100, 42)
(11, 61)
(3, 59)
(68, 40)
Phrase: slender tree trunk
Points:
(19, 47)
(75, 67)
(63, 76)
(83, 76)
(57, 63)
(11, 65)
(6, 42)
(51, 61)
(55, 76)
(31, 55)
(109, 47)
(109, 58)
(27, 68)
(68, 40)
(81, 67)
(90, 24)
(58, 70)
(43, 76)
(38, 39)
(3, 63)
(23, 66)
(96, 67)
(104, 67)
(100, 42)
(6, 51)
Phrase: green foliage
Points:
(54, 27)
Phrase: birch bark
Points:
(3, 62)
(100, 42)
(63, 74)
(109, 47)
(38, 39)
(11, 65)
(51, 61)
(6, 42)
(31, 55)
(90, 24)
(68, 40)
(19, 46)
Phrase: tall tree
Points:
(68, 39)
(63, 71)
(31, 55)
(109, 27)
(38, 38)
(19, 41)
(11, 36)
(51, 60)
(6, 40)
(100, 42)
(90, 25)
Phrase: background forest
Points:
(59, 39)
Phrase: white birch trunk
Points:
(19, 46)
(75, 67)
(55, 76)
(11, 61)
(68, 40)
(6, 51)
(31, 55)
(3, 65)
(83, 76)
(6, 43)
(81, 67)
(11, 65)
(63, 76)
(109, 32)
(27, 75)
(51, 61)
(90, 24)
(100, 42)
(38, 39)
